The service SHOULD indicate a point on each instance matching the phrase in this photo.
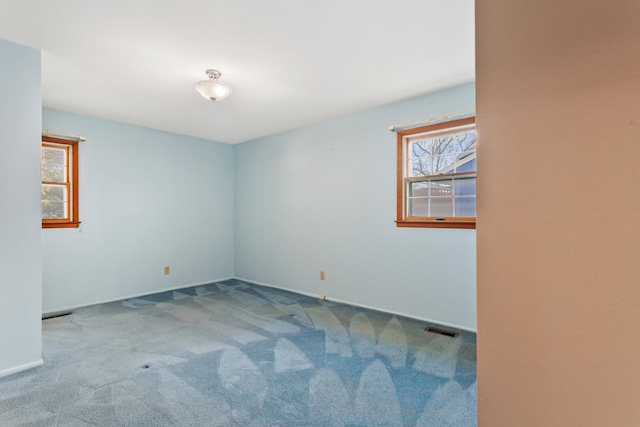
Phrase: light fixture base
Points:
(213, 74)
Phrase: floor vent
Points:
(54, 315)
(442, 332)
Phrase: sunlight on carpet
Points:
(238, 354)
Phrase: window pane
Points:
(420, 148)
(443, 145)
(465, 206)
(54, 210)
(465, 187)
(54, 193)
(443, 164)
(421, 167)
(441, 206)
(418, 189)
(466, 141)
(466, 162)
(53, 164)
(442, 188)
(54, 202)
(419, 207)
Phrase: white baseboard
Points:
(175, 288)
(20, 368)
(268, 285)
(355, 304)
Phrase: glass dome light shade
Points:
(212, 89)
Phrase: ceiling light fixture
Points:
(213, 89)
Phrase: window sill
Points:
(60, 224)
(434, 223)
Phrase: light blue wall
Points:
(148, 199)
(323, 198)
(318, 198)
(20, 265)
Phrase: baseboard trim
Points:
(176, 288)
(268, 285)
(355, 304)
(21, 368)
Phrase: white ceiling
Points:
(290, 63)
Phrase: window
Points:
(437, 175)
(59, 174)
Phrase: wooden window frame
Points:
(72, 183)
(402, 219)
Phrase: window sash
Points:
(65, 200)
(453, 195)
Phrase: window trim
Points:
(73, 204)
(402, 220)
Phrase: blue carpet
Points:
(237, 354)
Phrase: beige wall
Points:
(558, 113)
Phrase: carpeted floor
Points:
(237, 354)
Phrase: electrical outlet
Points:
(322, 275)
(167, 270)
